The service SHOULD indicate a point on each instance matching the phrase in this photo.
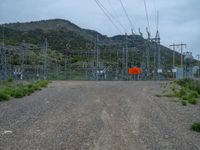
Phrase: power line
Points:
(107, 15)
(115, 16)
(145, 5)
(132, 27)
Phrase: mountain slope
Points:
(61, 32)
(58, 32)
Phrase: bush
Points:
(9, 91)
(196, 127)
(21, 90)
(182, 92)
(185, 98)
(189, 91)
(4, 96)
(192, 101)
(194, 94)
(19, 93)
(10, 79)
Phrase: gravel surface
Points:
(83, 115)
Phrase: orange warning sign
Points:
(133, 71)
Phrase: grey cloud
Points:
(179, 19)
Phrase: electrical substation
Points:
(103, 58)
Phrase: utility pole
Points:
(127, 55)
(174, 46)
(182, 53)
(198, 58)
(181, 50)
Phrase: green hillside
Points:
(64, 36)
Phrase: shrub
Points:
(21, 90)
(10, 79)
(4, 96)
(19, 93)
(185, 98)
(196, 127)
(192, 101)
(9, 91)
(190, 90)
(182, 92)
(194, 94)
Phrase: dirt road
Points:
(98, 116)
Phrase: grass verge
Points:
(189, 91)
(20, 90)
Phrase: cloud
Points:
(179, 20)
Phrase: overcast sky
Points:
(179, 19)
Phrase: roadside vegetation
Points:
(18, 89)
(187, 90)
(196, 127)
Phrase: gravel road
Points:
(82, 115)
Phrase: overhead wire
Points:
(147, 16)
(115, 16)
(105, 11)
(125, 12)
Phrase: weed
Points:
(9, 91)
(184, 98)
(192, 101)
(183, 92)
(19, 93)
(4, 96)
(196, 127)
(194, 94)
(20, 90)
(10, 79)
(184, 103)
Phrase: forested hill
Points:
(60, 32)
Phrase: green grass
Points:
(4, 96)
(20, 90)
(188, 92)
(192, 101)
(196, 127)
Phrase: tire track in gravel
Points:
(160, 123)
(94, 116)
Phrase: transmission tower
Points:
(157, 40)
(23, 59)
(147, 59)
(97, 58)
(45, 57)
